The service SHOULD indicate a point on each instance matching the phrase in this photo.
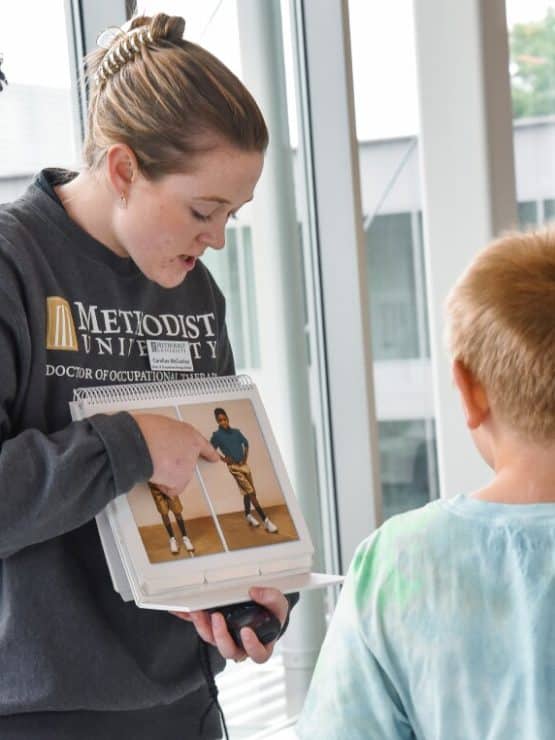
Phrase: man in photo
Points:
(234, 450)
(165, 504)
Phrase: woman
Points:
(90, 263)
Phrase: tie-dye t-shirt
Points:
(445, 630)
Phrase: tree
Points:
(532, 50)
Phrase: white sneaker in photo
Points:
(174, 547)
(270, 526)
(188, 544)
(252, 520)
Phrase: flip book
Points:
(237, 524)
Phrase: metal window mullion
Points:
(332, 170)
(314, 306)
(246, 318)
(540, 212)
(97, 15)
(419, 283)
(431, 457)
(85, 20)
(284, 377)
(76, 54)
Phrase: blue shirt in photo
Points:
(231, 442)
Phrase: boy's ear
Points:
(473, 395)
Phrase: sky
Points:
(381, 38)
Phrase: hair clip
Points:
(145, 36)
(3, 80)
(119, 55)
(106, 38)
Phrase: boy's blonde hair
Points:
(501, 326)
(166, 98)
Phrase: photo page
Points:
(229, 505)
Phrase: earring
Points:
(123, 200)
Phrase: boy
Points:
(235, 448)
(445, 629)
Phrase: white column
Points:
(468, 181)
(278, 283)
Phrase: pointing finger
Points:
(207, 451)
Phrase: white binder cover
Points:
(230, 554)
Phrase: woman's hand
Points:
(212, 627)
(174, 447)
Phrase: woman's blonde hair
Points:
(501, 326)
(166, 98)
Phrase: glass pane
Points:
(36, 108)
(233, 270)
(531, 28)
(393, 289)
(407, 458)
(527, 214)
(384, 62)
(224, 268)
(549, 209)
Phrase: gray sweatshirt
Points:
(72, 313)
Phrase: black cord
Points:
(204, 660)
(3, 80)
(292, 600)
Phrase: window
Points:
(549, 209)
(527, 214)
(408, 464)
(233, 270)
(36, 108)
(387, 130)
(395, 273)
(531, 28)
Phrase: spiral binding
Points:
(162, 391)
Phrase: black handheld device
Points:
(249, 614)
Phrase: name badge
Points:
(168, 355)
